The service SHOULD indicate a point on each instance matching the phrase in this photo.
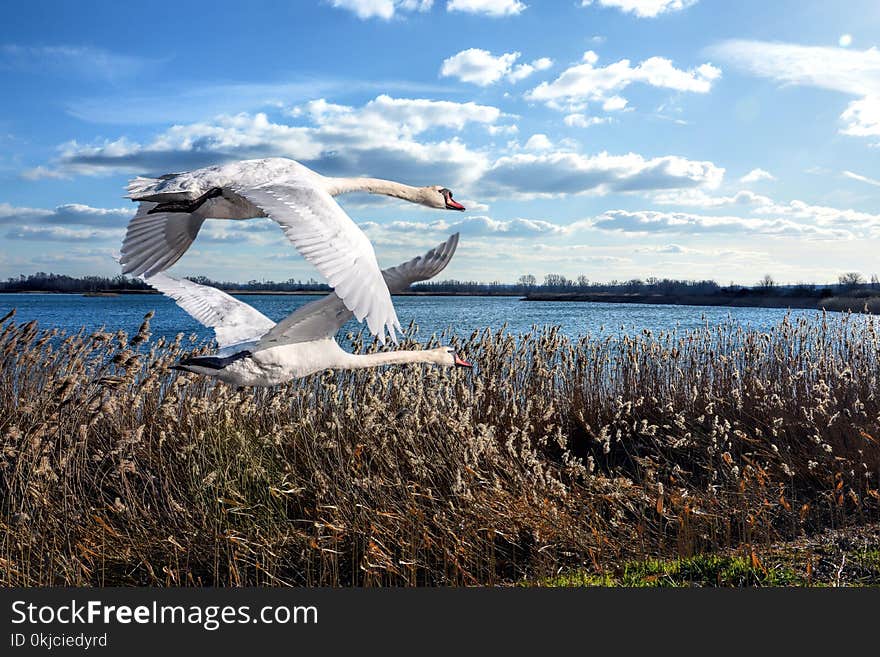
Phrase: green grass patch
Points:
(699, 570)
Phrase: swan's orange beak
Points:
(461, 362)
(454, 205)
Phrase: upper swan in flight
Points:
(172, 209)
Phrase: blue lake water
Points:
(432, 314)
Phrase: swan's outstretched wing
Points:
(154, 242)
(422, 267)
(233, 321)
(324, 317)
(328, 238)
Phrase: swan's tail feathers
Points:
(154, 242)
(208, 365)
(422, 268)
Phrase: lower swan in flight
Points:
(255, 351)
(172, 209)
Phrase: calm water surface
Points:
(460, 314)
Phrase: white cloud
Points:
(862, 117)
(62, 234)
(68, 214)
(475, 226)
(478, 66)
(756, 175)
(522, 71)
(558, 173)
(538, 142)
(384, 9)
(380, 136)
(493, 8)
(853, 72)
(482, 68)
(855, 222)
(579, 120)
(861, 178)
(649, 221)
(699, 198)
(643, 8)
(614, 104)
(585, 82)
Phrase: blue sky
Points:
(612, 138)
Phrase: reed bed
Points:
(551, 454)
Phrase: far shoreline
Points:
(838, 303)
(870, 304)
(119, 293)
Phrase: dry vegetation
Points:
(550, 455)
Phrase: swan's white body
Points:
(255, 351)
(172, 209)
(271, 367)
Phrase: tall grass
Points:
(550, 453)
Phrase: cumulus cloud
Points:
(494, 8)
(862, 117)
(381, 135)
(585, 82)
(756, 175)
(760, 215)
(522, 71)
(62, 234)
(538, 142)
(572, 173)
(852, 72)
(650, 221)
(384, 9)
(699, 198)
(68, 214)
(643, 8)
(482, 68)
(477, 226)
(579, 120)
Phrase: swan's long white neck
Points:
(338, 186)
(358, 361)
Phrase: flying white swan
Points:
(254, 351)
(172, 209)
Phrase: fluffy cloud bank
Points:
(643, 8)
(384, 9)
(763, 217)
(585, 82)
(756, 175)
(478, 226)
(571, 173)
(381, 135)
(482, 68)
(494, 8)
(410, 140)
(70, 213)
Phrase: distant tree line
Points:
(43, 282)
(849, 283)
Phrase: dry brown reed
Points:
(550, 453)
